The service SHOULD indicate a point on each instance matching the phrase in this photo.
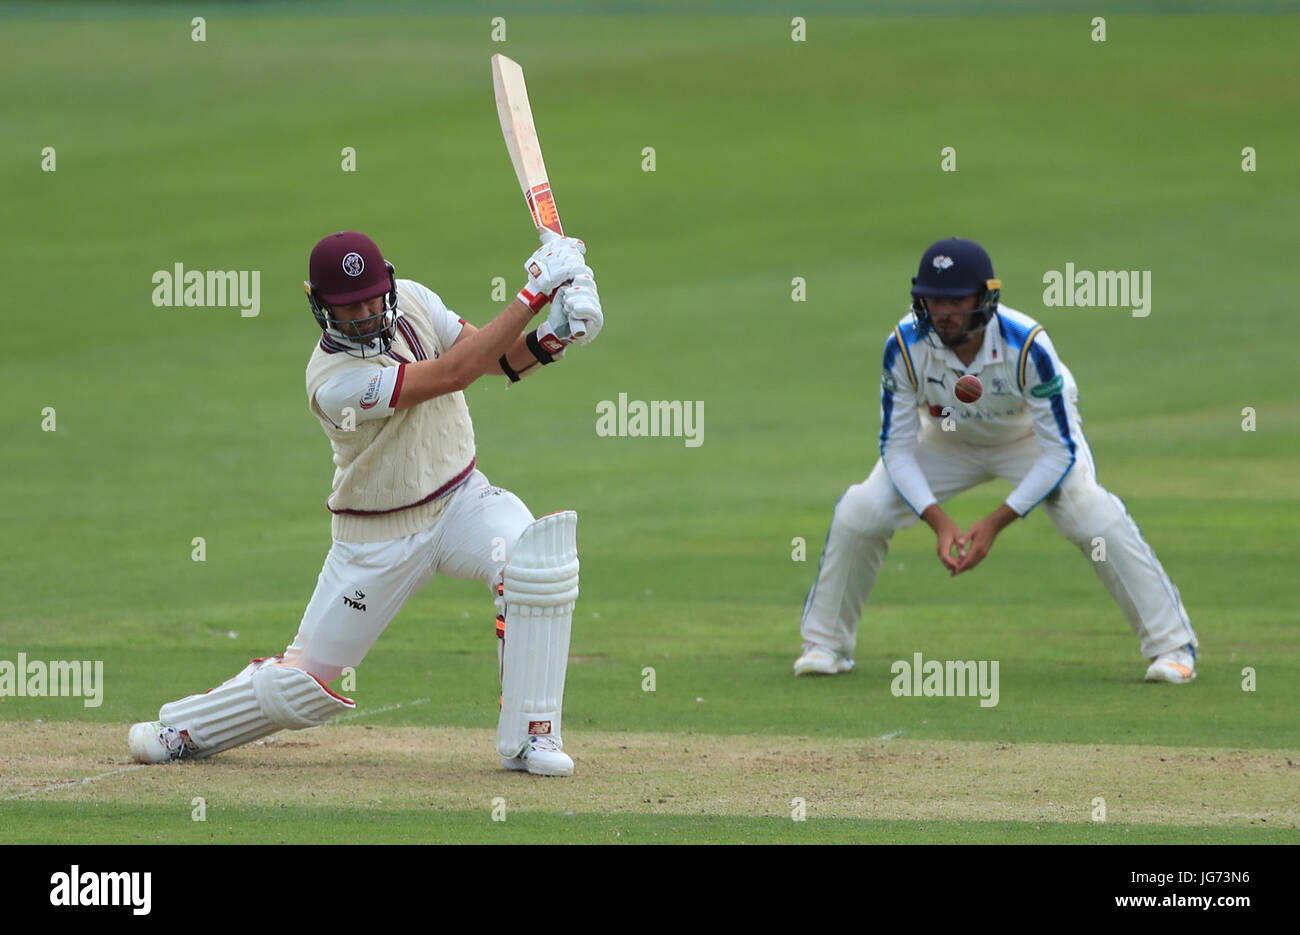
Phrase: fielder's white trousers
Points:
(363, 585)
(1082, 511)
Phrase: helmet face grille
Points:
(361, 333)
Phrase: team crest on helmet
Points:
(353, 265)
(941, 263)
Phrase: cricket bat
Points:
(526, 151)
(521, 141)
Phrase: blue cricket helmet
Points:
(951, 269)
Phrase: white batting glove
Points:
(575, 316)
(579, 304)
(557, 323)
(550, 238)
(554, 263)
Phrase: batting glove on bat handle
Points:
(579, 305)
(551, 239)
(557, 322)
(550, 267)
(575, 317)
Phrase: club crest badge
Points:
(353, 265)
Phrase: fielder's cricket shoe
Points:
(1178, 666)
(152, 742)
(543, 757)
(820, 661)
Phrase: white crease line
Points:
(74, 782)
(343, 717)
(391, 707)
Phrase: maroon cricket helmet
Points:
(347, 267)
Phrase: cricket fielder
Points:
(1025, 428)
(386, 383)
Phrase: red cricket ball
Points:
(968, 389)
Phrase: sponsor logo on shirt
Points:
(1052, 387)
(371, 397)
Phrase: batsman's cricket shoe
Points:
(820, 661)
(542, 757)
(1178, 666)
(153, 742)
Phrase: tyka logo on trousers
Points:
(355, 604)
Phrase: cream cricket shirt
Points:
(1026, 390)
(392, 469)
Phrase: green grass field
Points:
(773, 159)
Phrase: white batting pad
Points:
(273, 698)
(541, 589)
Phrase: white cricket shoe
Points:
(153, 742)
(820, 661)
(543, 757)
(1178, 666)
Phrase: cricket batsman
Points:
(1023, 427)
(386, 381)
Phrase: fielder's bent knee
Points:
(1083, 514)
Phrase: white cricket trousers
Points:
(1082, 511)
(364, 585)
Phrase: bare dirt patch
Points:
(455, 768)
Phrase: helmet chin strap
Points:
(370, 346)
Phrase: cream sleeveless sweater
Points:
(392, 475)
